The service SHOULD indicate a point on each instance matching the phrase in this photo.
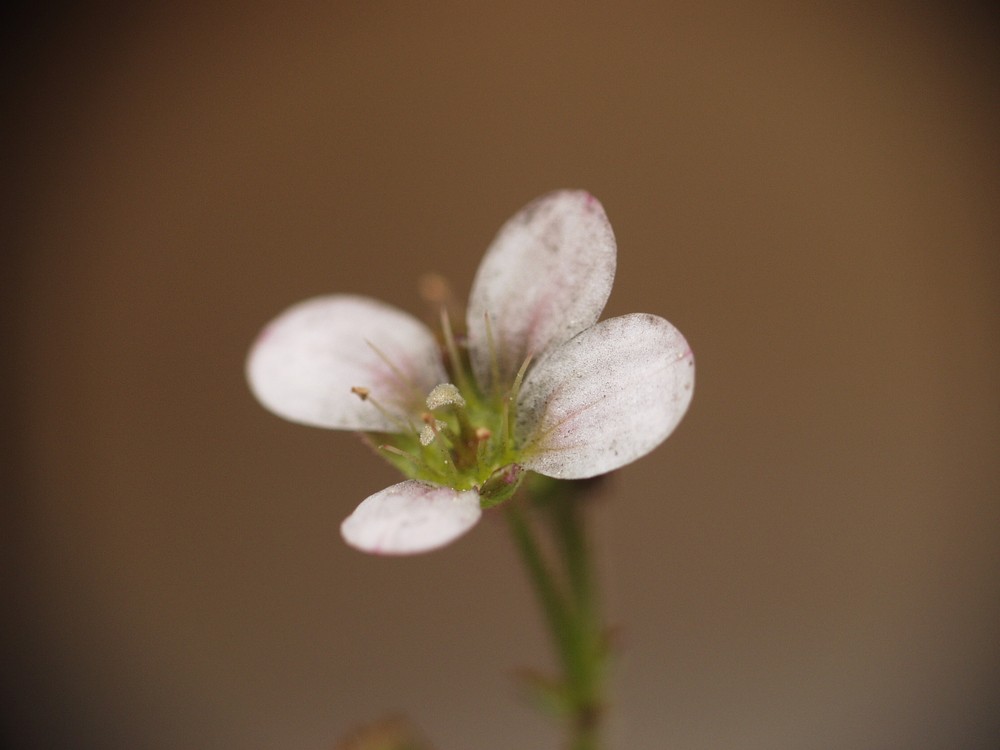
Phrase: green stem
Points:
(568, 601)
(553, 605)
(568, 525)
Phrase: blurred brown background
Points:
(808, 191)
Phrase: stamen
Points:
(415, 460)
(398, 452)
(482, 435)
(494, 362)
(515, 391)
(449, 343)
(364, 394)
(505, 428)
(482, 449)
(516, 388)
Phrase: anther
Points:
(444, 394)
(432, 427)
(429, 432)
(360, 392)
(434, 288)
(427, 435)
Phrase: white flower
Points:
(538, 384)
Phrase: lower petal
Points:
(411, 517)
(605, 398)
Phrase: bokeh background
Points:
(809, 191)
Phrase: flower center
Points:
(464, 439)
(461, 440)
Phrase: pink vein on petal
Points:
(542, 433)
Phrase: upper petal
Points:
(305, 362)
(544, 279)
(411, 517)
(604, 398)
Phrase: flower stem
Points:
(568, 599)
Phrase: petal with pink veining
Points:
(411, 517)
(605, 398)
(306, 361)
(544, 279)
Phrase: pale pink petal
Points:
(306, 361)
(604, 398)
(544, 279)
(411, 517)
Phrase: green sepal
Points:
(501, 485)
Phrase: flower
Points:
(535, 384)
